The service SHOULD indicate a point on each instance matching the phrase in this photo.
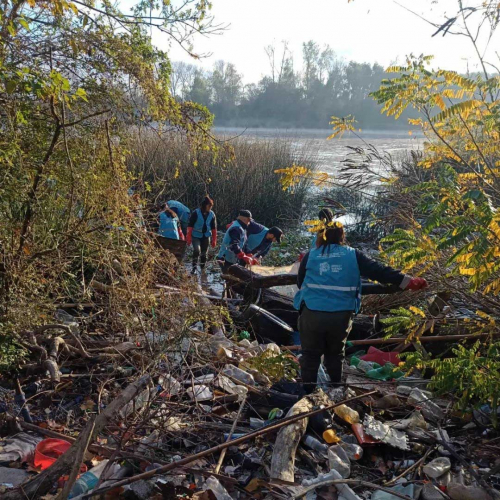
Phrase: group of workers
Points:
(246, 241)
(329, 276)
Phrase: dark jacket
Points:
(265, 245)
(235, 233)
(368, 268)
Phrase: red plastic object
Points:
(361, 436)
(49, 450)
(381, 357)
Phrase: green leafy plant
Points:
(275, 366)
(472, 375)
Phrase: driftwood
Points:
(243, 276)
(285, 447)
(42, 483)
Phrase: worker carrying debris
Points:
(169, 225)
(231, 249)
(329, 282)
(260, 239)
(182, 212)
(202, 230)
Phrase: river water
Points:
(328, 154)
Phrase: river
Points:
(328, 154)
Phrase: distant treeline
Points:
(305, 98)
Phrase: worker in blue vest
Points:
(329, 282)
(182, 212)
(260, 239)
(231, 249)
(169, 225)
(202, 231)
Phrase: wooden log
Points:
(255, 281)
(285, 447)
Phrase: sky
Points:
(363, 30)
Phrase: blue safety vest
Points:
(332, 281)
(224, 252)
(200, 222)
(169, 227)
(254, 240)
(182, 211)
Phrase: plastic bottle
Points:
(353, 451)
(238, 374)
(314, 444)
(339, 461)
(322, 424)
(87, 481)
(347, 414)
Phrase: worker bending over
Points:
(182, 212)
(202, 230)
(260, 239)
(329, 282)
(231, 249)
(169, 225)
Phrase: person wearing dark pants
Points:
(202, 231)
(329, 282)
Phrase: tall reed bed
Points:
(245, 181)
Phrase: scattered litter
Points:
(384, 433)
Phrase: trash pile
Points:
(211, 415)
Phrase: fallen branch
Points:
(83, 444)
(350, 482)
(67, 329)
(220, 447)
(223, 452)
(42, 483)
(400, 340)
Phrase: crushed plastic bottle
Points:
(139, 402)
(347, 414)
(170, 385)
(423, 400)
(217, 489)
(238, 374)
(87, 481)
(353, 451)
(200, 393)
(364, 366)
(345, 491)
(314, 444)
(437, 467)
(339, 461)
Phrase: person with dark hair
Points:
(260, 239)
(182, 212)
(202, 231)
(325, 215)
(231, 249)
(169, 225)
(329, 282)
